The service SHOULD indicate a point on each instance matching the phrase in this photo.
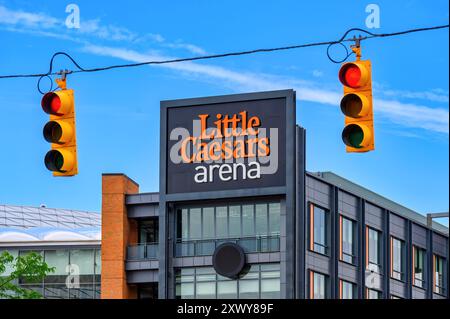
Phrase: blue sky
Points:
(118, 111)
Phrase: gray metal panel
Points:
(348, 205)
(143, 210)
(397, 226)
(377, 199)
(318, 262)
(348, 272)
(418, 293)
(142, 276)
(419, 236)
(374, 216)
(141, 264)
(318, 192)
(142, 198)
(398, 289)
(440, 245)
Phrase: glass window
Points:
(98, 263)
(374, 246)
(261, 219)
(183, 224)
(60, 260)
(262, 281)
(318, 286)
(84, 259)
(397, 247)
(319, 231)
(274, 219)
(227, 289)
(82, 263)
(419, 266)
(270, 288)
(373, 294)
(348, 242)
(248, 221)
(235, 221)
(208, 223)
(148, 231)
(347, 290)
(222, 222)
(439, 270)
(248, 289)
(195, 221)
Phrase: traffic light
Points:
(60, 132)
(358, 133)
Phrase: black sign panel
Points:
(226, 146)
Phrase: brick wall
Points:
(117, 232)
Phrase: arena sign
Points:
(224, 146)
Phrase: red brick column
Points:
(117, 232)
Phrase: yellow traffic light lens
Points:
(58, 132)
(59, 160)
(356, 135)
(355, 105)
(353, 74)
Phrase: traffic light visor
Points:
(353, 74)
(356, 135)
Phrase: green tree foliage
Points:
(30, 268)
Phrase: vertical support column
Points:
(300, 229)
(117, 232)
(409, 263)
(334, 244)
(387, 254)
(362, 249)
(429, 270)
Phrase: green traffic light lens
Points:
(54, 161)
(353, 135)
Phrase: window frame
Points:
(312, 242)
(341, 240)
(394, 272)
(379, 249)
(441, 289)
(415, 249)
(311, 284)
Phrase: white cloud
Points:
(405, 114)
(26, 22)
(26, 19)
(409, 115)
(317, 73)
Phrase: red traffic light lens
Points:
(350, 75)
(51, 103)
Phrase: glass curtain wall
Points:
(262, 281)
(76, 276)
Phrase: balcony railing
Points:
(205, 247)
(142, 251)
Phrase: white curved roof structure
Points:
(23, 225)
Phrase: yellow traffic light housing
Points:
(356, 104)
(60, 131)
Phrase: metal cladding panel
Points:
(143, 210)
(419, 236)
(397, 226)
(348, 205)
(440, 245)
(374, 216)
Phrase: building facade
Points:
(256, 224)
(68, 240)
